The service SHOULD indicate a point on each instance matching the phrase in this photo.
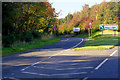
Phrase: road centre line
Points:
(97, 67)
(85, 78)
(52, 56)
(101, 64)
(113, 53)
(77, 44)
(105, 60)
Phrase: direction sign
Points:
(108, 27)
(76, 29)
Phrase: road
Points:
(59, 61)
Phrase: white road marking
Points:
(54, 74)
(113, 53)
(101, 64)
(85, 78)
(70, 73)
(64, 68)
(51, 56)
(105, 60)
(12, 78)
(76, 68)
(35, 73)
(77, 44)
(65, 40)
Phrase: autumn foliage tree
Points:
(25, 21)
(103, 13)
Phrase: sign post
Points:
(102, 32)
(76, 30)
(108, 27)
(114, 32)
(89, 32)
(90, 29)
(101, 27)
(54, 30)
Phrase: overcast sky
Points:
(71, 6)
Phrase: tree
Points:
(23, 20)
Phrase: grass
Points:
(104, 47)
(99, 42)
(20, 48)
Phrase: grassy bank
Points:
(20, 48)
(99, 42)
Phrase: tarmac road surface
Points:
(59, 61)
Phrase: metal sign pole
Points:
(102, 32)
(90, 29)
(54, 30)
(89, 32)
(114, 32)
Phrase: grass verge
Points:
(99, 42)
(20, 48)
(105, 47)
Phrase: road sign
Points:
(76, 29)
(90, 29)
(108, 27)
(90, 26)
(90, 23)
(54, 27)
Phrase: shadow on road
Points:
(69, 64)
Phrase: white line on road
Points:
(85, 78)
(113, 53)
(105, 60)
(64, 68)
(101, 64)
(77, 44)
(52, 56)
(35, 73)
(65, 40)
(10, 78)
(55, 74)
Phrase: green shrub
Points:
(8, 40)
(28, 36)
(36, 34)
(20, 36)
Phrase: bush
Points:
(28, 36)
(8, 40)
(36, 34)
(20, 36)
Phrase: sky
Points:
(71, 6)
